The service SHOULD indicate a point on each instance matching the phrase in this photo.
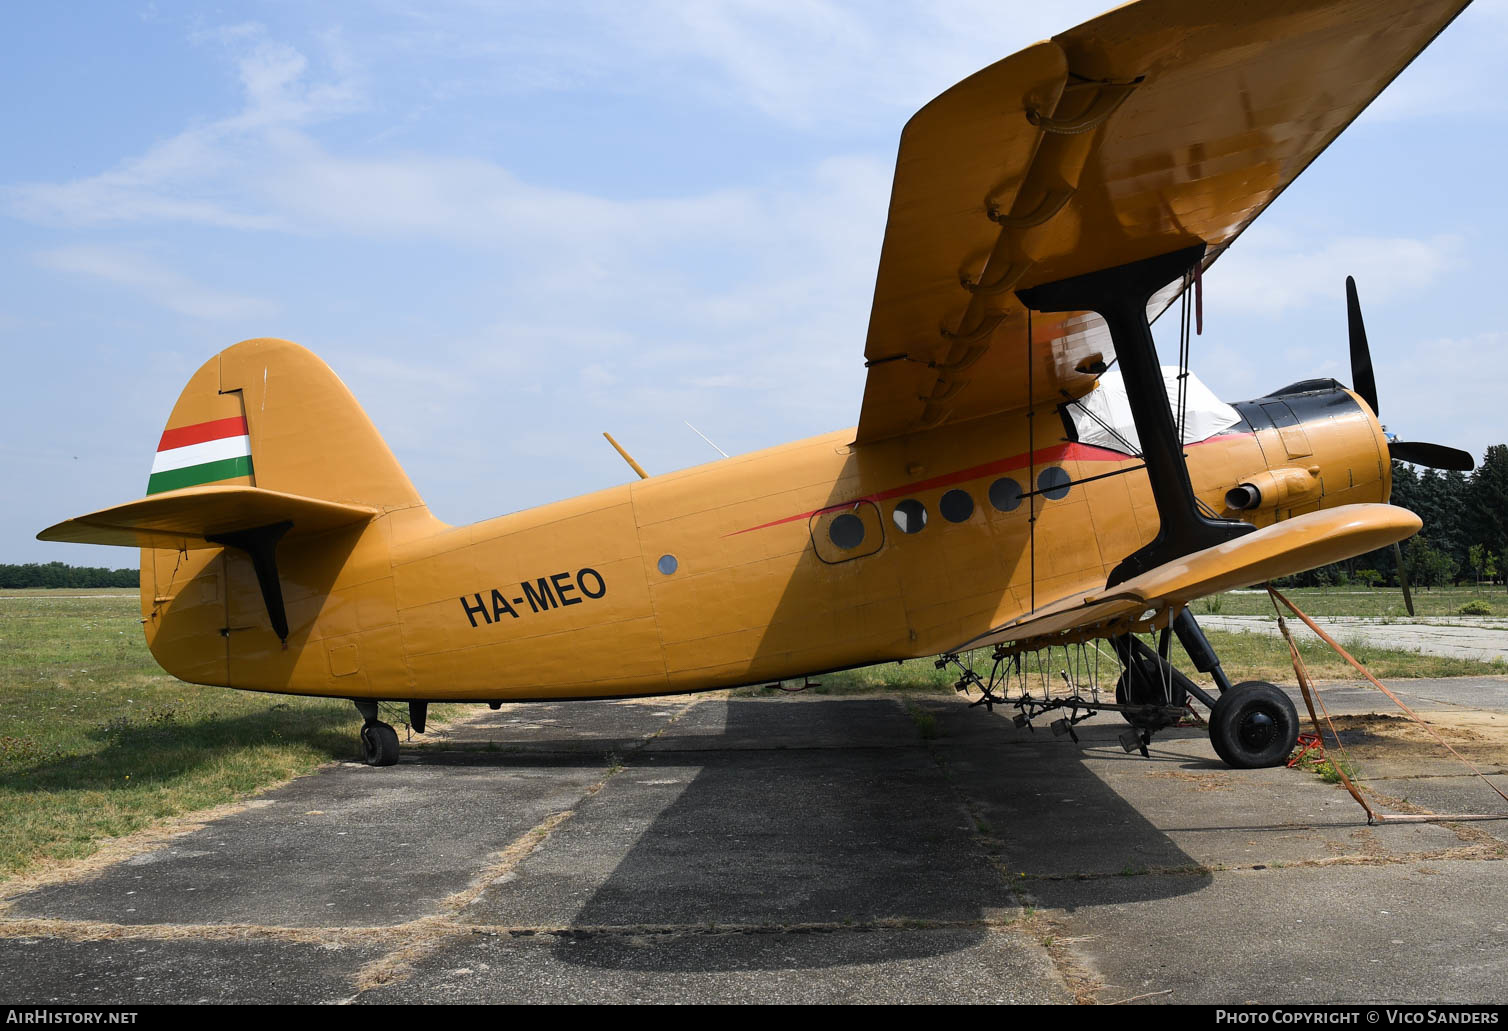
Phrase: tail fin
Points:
(264, 443)
(269, 414)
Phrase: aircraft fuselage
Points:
(803, 558)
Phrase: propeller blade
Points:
(1403, 579)
(1362, 380)
(1436, 456)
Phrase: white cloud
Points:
(200, 176)
(808, 65)
(1463, 77)
(155, 282)
(1446, 390)
(1268, 271)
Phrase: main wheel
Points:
(379, 744)
(1141, 685)
(1254, 725)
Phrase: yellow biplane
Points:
(1025, 473)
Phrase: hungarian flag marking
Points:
(202, 453)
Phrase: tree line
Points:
(57, 574)
(1465, 535)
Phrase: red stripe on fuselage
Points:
(1070, 452)
(198, 433)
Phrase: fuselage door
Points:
(844, 534)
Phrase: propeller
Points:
(1362, 380)
(1435, 456)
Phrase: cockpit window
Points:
(1102, 417)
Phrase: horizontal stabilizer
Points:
(183, 519)
(1282, 549)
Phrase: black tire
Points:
(1146, 688)
(379, 744)
(1254, 725)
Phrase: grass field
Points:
(96, 741)
(1243, 656)
(1385, 602)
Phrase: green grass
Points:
(1355, 600)
(1326, 768)
(926, 722)
(914, 676)
(1252, 656)
(96, 741)
(1244, 656)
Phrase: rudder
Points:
(269, 413)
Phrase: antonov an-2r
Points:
(1024, 472)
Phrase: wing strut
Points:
(1120, 296)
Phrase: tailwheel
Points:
(1254, 725)
(379, 744)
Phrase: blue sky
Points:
(510, 226)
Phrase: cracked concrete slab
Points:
(1108, 812)
(804, 850)
(893, 966)
(595, 729)
(800, 722)
(41, 971)
(1407, 933)
(758, 838)
(351, 845)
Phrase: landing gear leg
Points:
(1198, 646)
(379, 741)
(1152, 689)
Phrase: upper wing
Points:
(1153, 127)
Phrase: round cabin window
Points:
(1053, 482)
(1005, 494)
(956, 506)
(910, 516)
(846, 531)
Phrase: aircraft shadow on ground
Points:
(802, 837)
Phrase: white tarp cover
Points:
(1204, 414)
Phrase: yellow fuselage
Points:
(728, 573)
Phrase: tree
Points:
(1488, 501)
(1428, 566)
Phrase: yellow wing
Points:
(1153, 127)
(1290, 546)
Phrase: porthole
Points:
(1053, 482)
(667, 564)
(1005, 494)
(846, 531)
(956, 506)
(910, 516)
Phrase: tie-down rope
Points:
(1302, 672)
